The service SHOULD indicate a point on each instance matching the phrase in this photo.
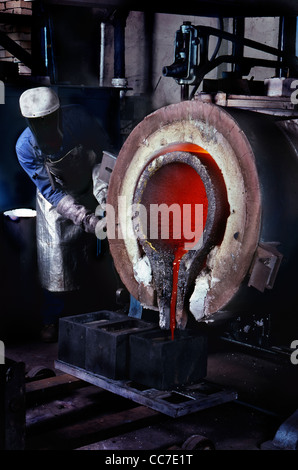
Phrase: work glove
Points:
(78, 214)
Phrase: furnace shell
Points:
(257, 156)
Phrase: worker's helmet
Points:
(38, 102)
(41, 108)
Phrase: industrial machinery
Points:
(202, 217)
(244, 174)
(201, 221)
(236, 156)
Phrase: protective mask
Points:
(47, 131)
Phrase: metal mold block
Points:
(107, 347)
(159, 362)
(72, 334)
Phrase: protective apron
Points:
(65, 251)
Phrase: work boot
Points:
(49, 333)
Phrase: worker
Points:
(61, 151)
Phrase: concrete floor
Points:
(267, 395)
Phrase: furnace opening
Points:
(176, 205)
(185, 204)
(182, 190)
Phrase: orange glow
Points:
(179, 183)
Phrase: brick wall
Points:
(19, 33)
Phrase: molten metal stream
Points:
(176, 265)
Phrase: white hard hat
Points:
(38, 102)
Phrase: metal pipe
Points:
(119, 46)
(238, 47)
(279, 70)
(102, 53)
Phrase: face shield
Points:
(47, 131)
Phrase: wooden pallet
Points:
(179, 402)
